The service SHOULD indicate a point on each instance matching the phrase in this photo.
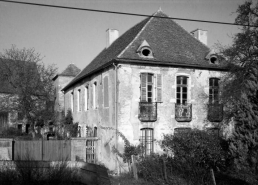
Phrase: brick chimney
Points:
(111, 36)
(201, 35)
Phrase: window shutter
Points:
(159, 88)
(143, 87)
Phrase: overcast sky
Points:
(70, 36)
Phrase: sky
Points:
(65, 36)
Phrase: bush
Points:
(194, 154)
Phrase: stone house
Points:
(153, 80)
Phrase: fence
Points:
(45, 150)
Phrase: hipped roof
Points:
(170, 43)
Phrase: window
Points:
(147, 140)
(213, 90)
(106, 97)
(86, 98)
(71, 99)
(78, 100)
(147, 87)
(91, 144)
(181, 90)
(94, 94)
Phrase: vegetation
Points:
(32, 172)
(240, 92)
(30, 84)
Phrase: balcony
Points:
(183, 112)
(147, 111)
(215, 112)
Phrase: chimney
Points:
(201, 35)
(111, 36)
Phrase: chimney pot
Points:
(111, 36)
(201, 35)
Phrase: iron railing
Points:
(183, 112)
(147, 111)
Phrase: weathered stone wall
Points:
(103, 118)
(129, 98)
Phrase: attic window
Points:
(146, 52)
(213, 60)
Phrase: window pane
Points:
(184, 96)
(149, 87)
(150, 78)
(178, 89)
(216, 82)
(184, 89)
(178, 80)
(184, 101)
(211, 82)
(184, 80)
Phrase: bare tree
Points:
(28, 84)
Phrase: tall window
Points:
(147, 140)
(181, 90)
(94, 95)
(78, 100)
(86, 98)
(91, 145)
(106, 97)
(147, 84)
(71, 99)
(213, 90)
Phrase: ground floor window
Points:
(91, 151)
(147, 140)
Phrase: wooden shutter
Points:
(159, 88)
(143, 87)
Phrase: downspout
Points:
(116, 126)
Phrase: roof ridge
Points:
(150, 19)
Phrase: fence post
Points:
(134, 168)
(213, 177)
(165, 170)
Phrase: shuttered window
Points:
(106, 96)
(181, 89)
(213, 90)
(150, 84)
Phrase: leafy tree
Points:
(240, 95)
(30, 83)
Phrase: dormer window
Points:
(144, 50)
(213, 60)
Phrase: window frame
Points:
(71, 101)
(214, 89)
(79, 109)
(181, 86)
(147, 139)
(86, 98)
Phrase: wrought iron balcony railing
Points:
(183, 112)
(147, 111)
(215, 112)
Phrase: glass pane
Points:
(178, 89)
(150, 77)
(149, 87)
(149, 94)
(216, 91)
(211, 82)
(178, 80)
(178, 101)
(178, 95)
(184, 80)
(184, 89)
(184, 96)
(216, 82)
(184, 101)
